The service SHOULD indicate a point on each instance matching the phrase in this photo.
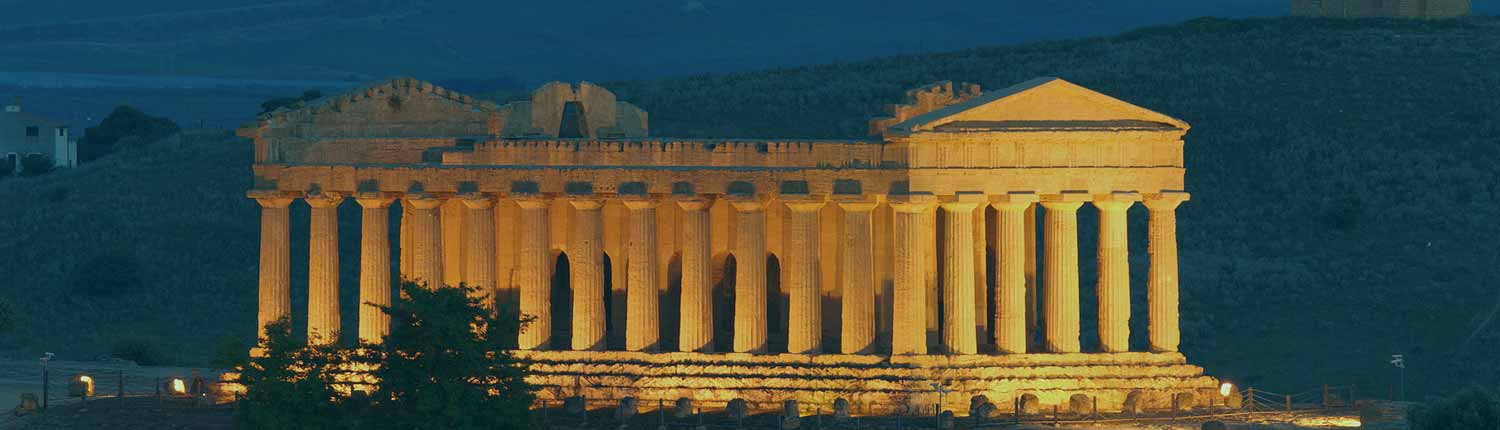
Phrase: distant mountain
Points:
(1342, 175)
(538, 40)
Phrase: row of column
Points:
(1015, 226)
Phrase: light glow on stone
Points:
(1225, 389)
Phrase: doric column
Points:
(858, 310)
(1161, 278)
(959, 328)
(586, 260)
(374, 266)
(479, 260)
(750, 276)
(696, 332)
(1010, 272)
(275, 259)
(1113, 290)
(642, 317)
(427, 239)
(1031, 282)
(323, 268)
(804, 310)
(1060, 293)
(534, 272)
(909, 309)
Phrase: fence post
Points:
(1095, 412)
(120, 388)
(1054, 415)
(1353, 395)
(1288, 402)
(1252, 399)
(44, 386)
(661, 412)
(1325, 396)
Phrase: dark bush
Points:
(7, 315)
(108, 274)
(289, 102)
(1472, 408)
(123, 122)
(36, 164)
(140, 350)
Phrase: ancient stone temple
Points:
(759, 269)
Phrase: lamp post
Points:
(46, 357)
(1399, 361)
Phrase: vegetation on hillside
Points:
(124, 127)
(1472, 408)
(445, 365)
(1342, 175)
(1343, 178)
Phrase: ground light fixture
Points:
(81, 386)
(1226, 389)
(177, 387)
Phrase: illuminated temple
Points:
(885, 271)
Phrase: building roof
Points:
(1041, 104)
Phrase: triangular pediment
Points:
(1042, 104)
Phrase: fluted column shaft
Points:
(642, 317)
(858, 310)
(479, 259)
(696, 331)
(750, 277)
(805, 310)
(534, 273)
(275, 301)
(1060, 293)
(323, 269)
(374, 267)
(1162, 288)
(427, 240)
(586, 260)
(1010, 274)
(1113, 289)
(909, 309)
(959, 334)
(1029, 225)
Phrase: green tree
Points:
(36, 164)
(1472, 408)
(123, 122)
(290, 386)
(7, 316)
(446, 364)
(290, 102)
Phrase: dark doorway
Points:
(573, 124)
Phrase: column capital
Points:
(476, 200)
(533, 201)
(746, 204)
(963, 201)
(1118, 200)
(912, 202)
(695, 203)
(423, 200)
(586, 203)
(855, 203)
(1165, 200)
(324, 199)
(273, 199)
(804, 202)
(374, 199)
(1014, 200)
(640, 202)
(1068, 196)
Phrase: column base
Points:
(872, 384)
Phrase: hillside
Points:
(1343, 178)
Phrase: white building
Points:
(23, 134)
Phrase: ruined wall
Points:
(922, 100)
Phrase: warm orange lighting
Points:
(1345, 422)
(178, 386)
(82, 386)
(1225, 389)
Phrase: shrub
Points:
(290, 386)
(7, 167)
(140, 350)
(1472, 408)
(108, 274)
(36, 164)
(123, 122)
(289, 102)
(7, 316)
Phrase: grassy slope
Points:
(1343, 178)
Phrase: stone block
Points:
(682, 408)
(1030, 404)
(737, 409)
